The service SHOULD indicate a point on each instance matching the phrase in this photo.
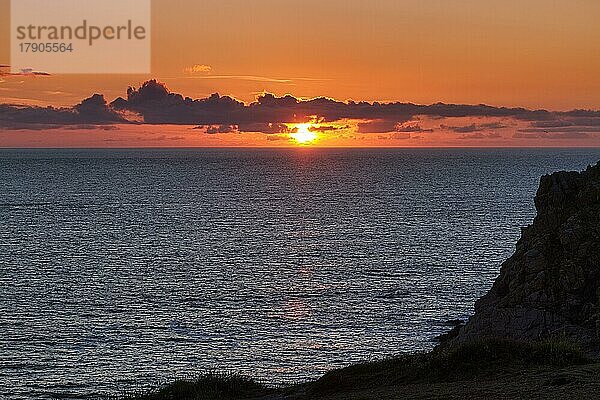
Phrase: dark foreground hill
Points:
(534, 335)
(482, 369)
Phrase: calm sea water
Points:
(121, 269)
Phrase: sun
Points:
(303, 134)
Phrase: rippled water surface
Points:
(121, 269)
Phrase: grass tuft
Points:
(213, 386)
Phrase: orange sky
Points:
(530, 53)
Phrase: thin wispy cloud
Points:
(198, 69)
(4, 71)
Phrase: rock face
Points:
(551, 285)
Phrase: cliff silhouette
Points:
(550, 286)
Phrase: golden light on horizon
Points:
(303, 135)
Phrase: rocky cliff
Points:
(551, 285)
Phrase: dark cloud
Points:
(91, 111)
(390, 126)
(221, 128)
(264, 127)
(460, 129)
(95, 110)
(158, 105)
(583, 113)
(567, 122)
(327, 128)
(153, 103)
(415, 128)
(493, 125)
(474, 127)
(377, 126)
(551, 124)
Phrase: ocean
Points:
(123, 269)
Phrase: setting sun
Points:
(303, 134)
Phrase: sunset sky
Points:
(528, 53)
